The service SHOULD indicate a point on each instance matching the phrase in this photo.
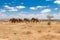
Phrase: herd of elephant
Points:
(26, 20)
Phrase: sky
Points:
(29, 9)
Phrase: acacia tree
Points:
(49, 19)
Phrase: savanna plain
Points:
(30, 31)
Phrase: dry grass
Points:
(29, 31)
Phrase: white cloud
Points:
(1, 10)
(13, 16)
(57, 2)
(56, 16)
(33, 8)
(3, 16)
(14, 8)
(56, 8)
(28, 15)
(20, 7)
(46, 11)
(40, 16)
(8, 7)
(38, 7)
(41, 7)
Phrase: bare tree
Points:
(49, 19)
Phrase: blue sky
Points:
(29, 8)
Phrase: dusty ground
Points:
(29, 31)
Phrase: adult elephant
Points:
(13, 20)
(26, 20)
(20, 20)
(35, 20)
